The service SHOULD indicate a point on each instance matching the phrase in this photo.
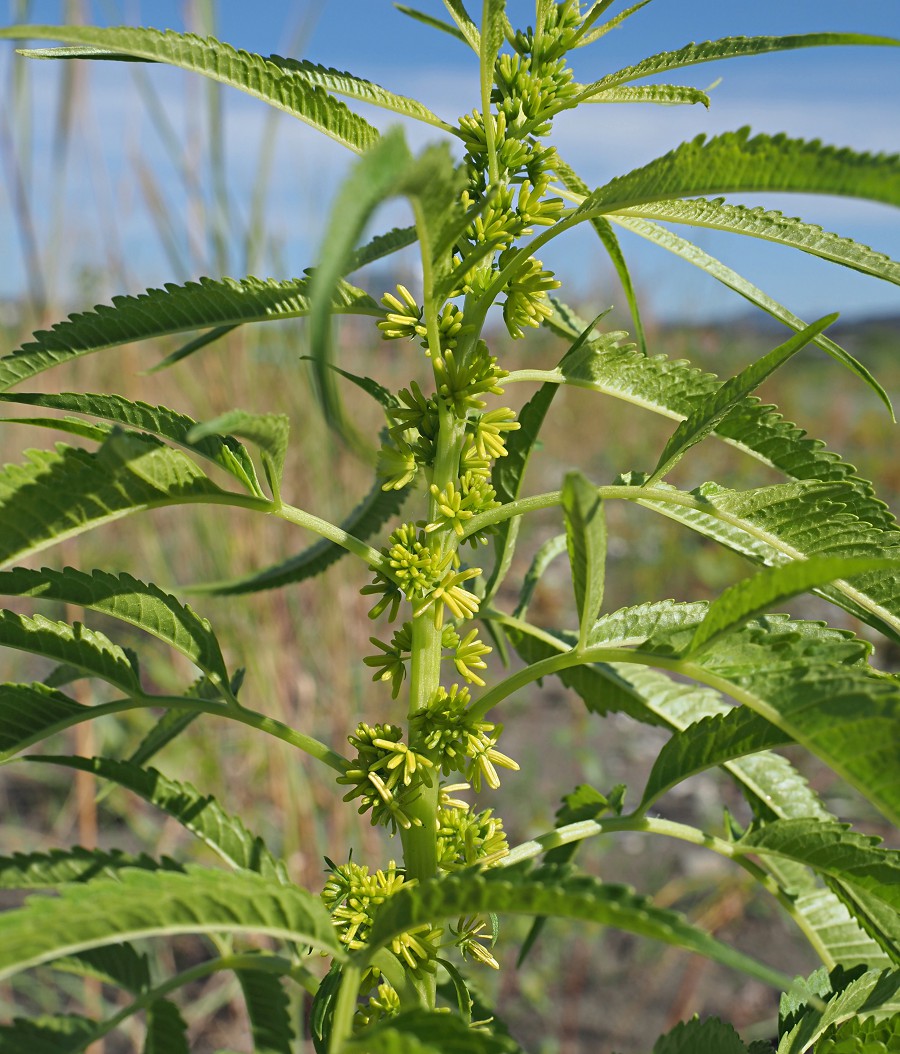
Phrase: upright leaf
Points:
(752, 596)
(586, 543)
(706, 417)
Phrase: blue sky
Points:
(98, 202)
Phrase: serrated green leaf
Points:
(226, 452)
(730, 47)
(339, 82)
(610, 242)
(710, 741)
(547, 553)
(142, 904)
(126, 598)
(173, 309)
(383, 245)
(551, 890)
(427, 1032)
(865, 876)
(115, 964)
(253, 74)
(199, 813)
(61, 866)
(797, 521)
(88, 650)
(57, 494)
(166, 1029)
(268, 431)
(837, 934)
(29, 710)
(430, 20)
(71, 425)
(467, 27)
(377, 176)
(686, 250)
(600, 31)
(46, 1035)
(711, 1036)
(872, 995)
(673, 388)
(268, 1009)
(706, 417)
(752, 596)
(377, 508)
(661, 94)
(773, 226)
(734, 162)
(585, 520)
(188, 349)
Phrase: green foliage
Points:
(731, 679)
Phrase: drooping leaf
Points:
(268, 1009)
(225, 452)
(123, 597)
(260, 77)
(190, 347)
(865, 876)
(761, 592)
(607, 235)
(730, 47)
(31, 710)
(173, 309)
(693, 254)
(585, 520)
(87, 650)
(141, 904)
(773, 226)
(166, 1029)
(378, 175)
(710, 741)
(268, 431)
(199, 813)
(701, 423)
(71, 425)
(734, 162)
(57, 494)
(551, 890)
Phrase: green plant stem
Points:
(345, 1007)
(577, 832)
(308, 744)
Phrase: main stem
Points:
(420, 840)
